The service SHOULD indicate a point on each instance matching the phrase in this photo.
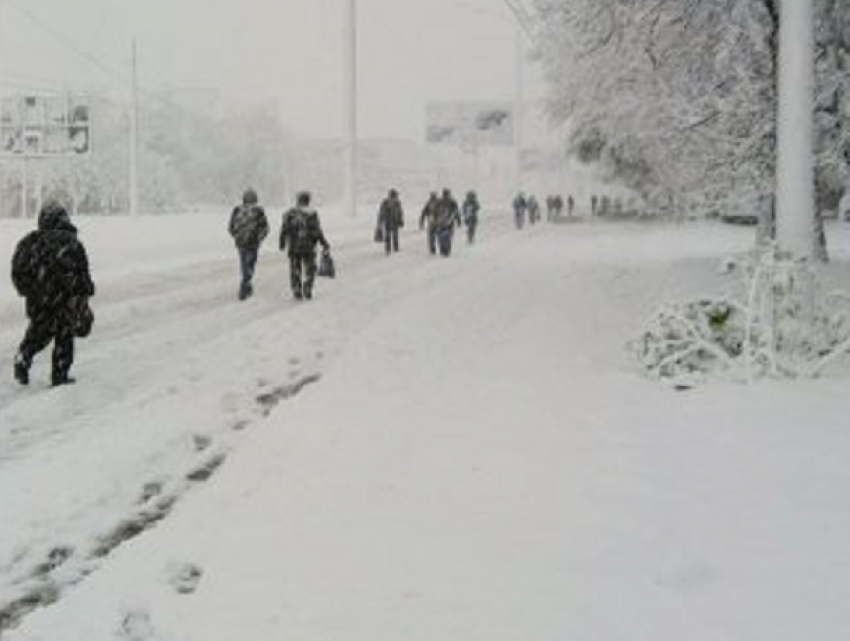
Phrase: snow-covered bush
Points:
(778, 325)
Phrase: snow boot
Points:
(61, 378)
(22, 370)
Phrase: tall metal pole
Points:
(518, 104)
(3, 194)
(795, 198)
(134, 140)
(351, 104)
(2, 44)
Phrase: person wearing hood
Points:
(300, 232)
(448, 216)
(390, 221)
(50, 269)
(428, 220)
(470, 210)
(248, 227)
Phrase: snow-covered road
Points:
(429, 449)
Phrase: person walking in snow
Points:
(50, 269)
(447, 217)
(249, 227)
(390, 220)
(533, 210)
(300, 232)
(558, 206)
(520, 206)
(470, 209)
(428, 221)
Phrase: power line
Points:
(68, 42)
(23, 82)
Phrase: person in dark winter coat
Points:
(558, 206)
(533, 210)
(50, 269)
(390, 220)
(470, 209)
(300, 232)
(448, 215)
(249, 227)
(428, 220)
(520, 205)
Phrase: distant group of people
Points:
(526, 208)
(439, 217)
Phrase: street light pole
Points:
(134, 139)
(519, 98)
(351, 108)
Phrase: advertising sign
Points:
(470, 123)
(44, 125)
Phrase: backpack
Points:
(299, 231)
(245, 226)
(25, 265)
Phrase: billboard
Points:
(44, 125)
(470, 123)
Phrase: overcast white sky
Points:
(410, 52)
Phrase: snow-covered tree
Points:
(669, 97)
(677, 98)
(187, 155)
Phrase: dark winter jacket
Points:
(429, 213)
(470, 211)
(390, 214)
(248, 226)
(300, 231)
(448, 214)
(520, 205)
(50, 266)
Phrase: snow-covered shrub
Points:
(687, 342)
(778, 325)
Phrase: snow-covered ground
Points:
(430, 449)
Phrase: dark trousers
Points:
(432, 240)
(247, 264)
(444, 241)
(49, 324)
(470, 231)
(391, 240)
(302, 274)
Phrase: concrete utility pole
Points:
(134, 139)
(2, 44)
(519, 98)
(795, 197)
(351, 111)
